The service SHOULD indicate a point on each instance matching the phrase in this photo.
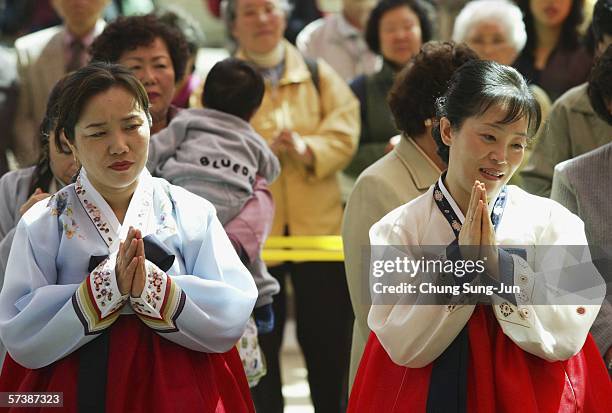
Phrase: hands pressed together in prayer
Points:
(130, 268)
(478, 230)
(293, 144)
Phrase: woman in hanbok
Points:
(515, 354)
(123, 291)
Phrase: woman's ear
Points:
(446, 131)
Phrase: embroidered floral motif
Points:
(102, 286)
(58, 203)
(250, 354)
(451, 217)
(71, 228)
(139, 307)
(94, 212)
(161, 301)
(78, 187)
(96, 216)
(154, 295)
(456, 225)
(505, 309)
(93, 300)
(60, 207)
(164, 220)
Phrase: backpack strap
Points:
(313, 68)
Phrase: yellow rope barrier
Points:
(303, 248)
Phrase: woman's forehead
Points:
(497, 115)
(111, 103)
(247, 3)
(488, 26)
(157, 48)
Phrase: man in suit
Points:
(582, 186)
(44, 57)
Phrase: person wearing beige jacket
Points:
(401, 175)
(311, 121)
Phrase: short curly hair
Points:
(600, 85)
(129, 33)
(412, 98)
(423, 11)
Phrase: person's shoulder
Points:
(518, 196)
(383, 170)
(574, 98)
(313, 31)
(412, 211)
(48, 210)
(16, 178)
(405, 221)
(38, 39)
(593, 160)
(14, 186)
(534, 206)
(381, 166)
(186, 116)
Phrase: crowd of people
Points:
(131, 233)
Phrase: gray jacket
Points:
(14, 188)
(214, 155)
(582, 186)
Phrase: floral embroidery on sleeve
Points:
(161, 301)
(98, 300)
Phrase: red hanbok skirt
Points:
(146, 373)
(501, 378)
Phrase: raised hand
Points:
(471, 230)
(488, 245)
(138, 282)
(128, 259)
(38, 195)
(477, 235)
(294, 145)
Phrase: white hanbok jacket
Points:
(415, 335)
(51, 305)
